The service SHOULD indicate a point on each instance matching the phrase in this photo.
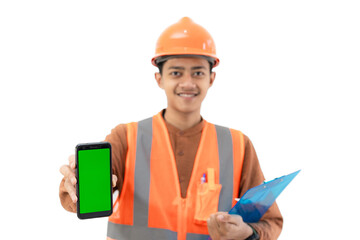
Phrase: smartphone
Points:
(94, 180)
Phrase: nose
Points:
(187, 81)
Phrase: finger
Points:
(213, 227)
(66, 170)
(68, 173)
(225, 223)
(224, 218)
(71, 190)
(213, 220)
(72, 161)
(221, 225)
(73, 180)
(114, 180)
(221, 217)
(231, 219)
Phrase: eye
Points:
(175, 73)
(198, 73)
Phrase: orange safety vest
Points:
(150, 205)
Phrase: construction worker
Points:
(182, 173)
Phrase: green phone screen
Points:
(94, 180)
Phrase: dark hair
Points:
(161, 64)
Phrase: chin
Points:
(187, 110)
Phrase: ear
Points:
(212, 78)
(158, 79)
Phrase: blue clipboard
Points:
(257, 200)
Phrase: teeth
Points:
(186, 95)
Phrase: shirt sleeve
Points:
(118, 140)
(270, 225)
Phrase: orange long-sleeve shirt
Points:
(185, 144)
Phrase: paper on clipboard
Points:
(256, 201)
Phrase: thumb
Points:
(114, 180)
(227, 218)
(223, 217)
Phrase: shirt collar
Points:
(188, 132)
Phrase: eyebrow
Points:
(182, 68)
(198, 67)
(178, 68)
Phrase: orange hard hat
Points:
(185, 38)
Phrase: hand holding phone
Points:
(68, 171)
(70, 179)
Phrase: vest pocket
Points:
(207, 200)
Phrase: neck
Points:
(182, 121)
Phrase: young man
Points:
(177, 174)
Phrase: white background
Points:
(70, 71)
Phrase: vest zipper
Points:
(182, 220)
(182, 208)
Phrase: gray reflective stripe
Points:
(142, 173)
(225, 147)
(140, 229)
(194, 236)
(127, 232)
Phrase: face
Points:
(185, 82)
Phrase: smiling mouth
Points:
(188, 95)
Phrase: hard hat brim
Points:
(164, 57)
